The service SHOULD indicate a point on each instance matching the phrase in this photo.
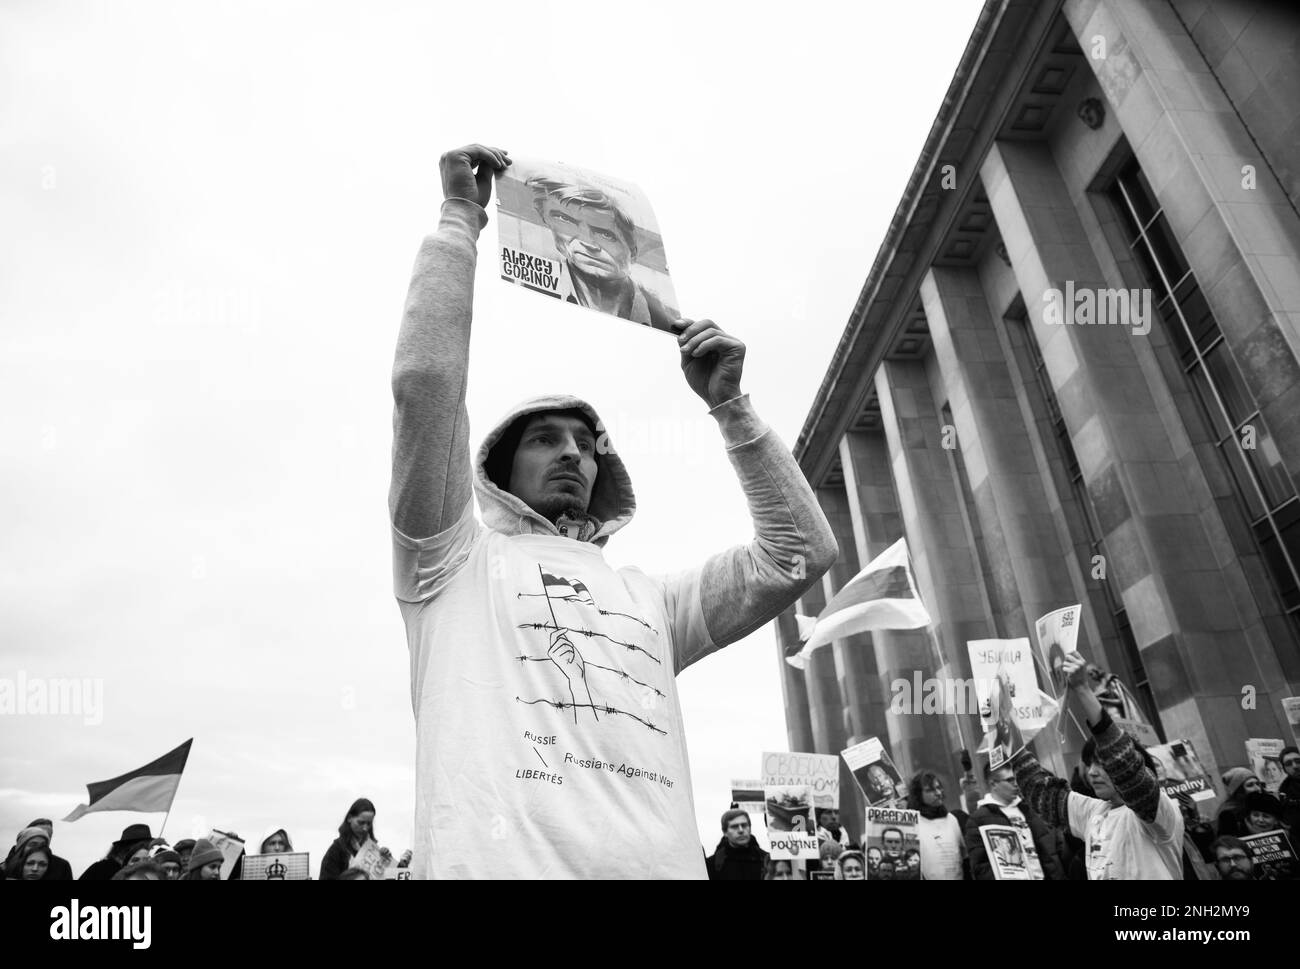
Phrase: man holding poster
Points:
(543, 680)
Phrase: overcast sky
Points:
(208, 216)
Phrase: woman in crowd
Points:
(850, 866)
(30, 863)
(205, 862)
(943, 844)
(1238, 784)
(357, 828)
(276, 843)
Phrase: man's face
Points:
(554, 467)
(878, 776)
(828, 819)
(588, 239)
(1003, 786)
(893, 842)
(738, 831)
(1291, 764)
(932, 794)
(873, 857)
(1234, 864)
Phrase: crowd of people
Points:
(1115, 823)
(138, 856)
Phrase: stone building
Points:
(1138, 159)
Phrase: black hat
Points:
(133, 833)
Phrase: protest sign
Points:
(1012, 707)
(1291, 707)
(230, 846)
(791, 831)
(286, 866)
(1058, 635)
(371, 859)
(1179, 770)
(584, 238)
(893, 844)
(1266, 761)
(822, 875)
(819, 772)
(396, 874)
(1274, 856)
(874, 771)
(1011, 852)
(748, 796)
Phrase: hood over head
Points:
(612, 501)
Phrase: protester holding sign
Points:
(357, 828)
(573, 712)
(1003, 807)
(1132, 829)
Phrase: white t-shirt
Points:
(1120, 845)
(540, 758)
(941, 842)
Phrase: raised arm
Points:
(1046, 794)
(745, 587)
(432, 480)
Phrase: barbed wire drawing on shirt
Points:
(564, 655)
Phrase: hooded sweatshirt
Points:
(549, 737)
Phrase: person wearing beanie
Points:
(59, 869)
(108, 866)
(1238, 784)
(183, 848)
(169, 862)
(146, 870)
(517, 625)
(205, 862)
(738, 857)
(1263, 813)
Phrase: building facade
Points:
(1071, 377)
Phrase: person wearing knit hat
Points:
(41, 831)
(738, 856)
(170, 863)
(1263, 813)
(1238, 783)
(205, 862)
(183, 848)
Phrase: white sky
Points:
(208, 216)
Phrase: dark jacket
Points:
(1042, 833)
(101, 871)
(59, 870)
(336, 860)
(728, 864)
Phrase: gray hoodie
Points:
(549, 734)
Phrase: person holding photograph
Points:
(1132, 829)
(524, 642)
(1003, 806)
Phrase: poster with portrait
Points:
(820, 772)
(231, 847)
(1273, 855)
(1291, 707)
(1058, 636)
(1180, 771)
(285, 866)
(1012, 707)
(893, 844)
(874, 771)
(1009, 854)
(1265, 758)
(791, 831)
(585, 238)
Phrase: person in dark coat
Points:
(357, 828)
(738, 857)
(1003, 806)
(108, 866)
(41, 832)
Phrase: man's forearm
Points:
(747, 586)
(431, 469)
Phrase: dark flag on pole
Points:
(148, 788)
